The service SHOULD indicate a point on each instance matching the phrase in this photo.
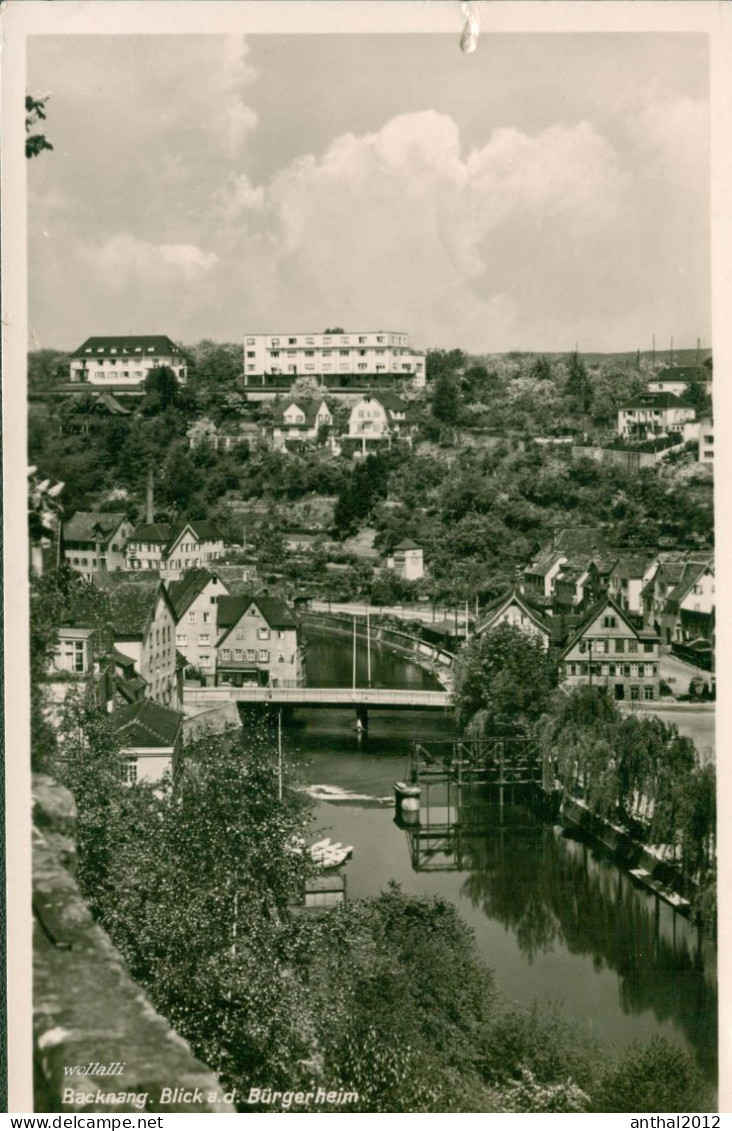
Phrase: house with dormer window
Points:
(259, 643)
(174, 548)
(95, 542)
(606, 649)
(299, 422)
(123, 363)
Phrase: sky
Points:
(546, 191)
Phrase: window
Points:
(240, 634)
(181, 639)
(343, 353)
(263, 634)
(204, 660)
(647, 692)
(251, 353)
(632, 645)
(635, 693)
(191, 618)
(251, 654)
(280, 635)
(129, 770)
(206, 617)
(226, 653)
(238, 653)
(204, 638)
(250, 341)
(292, 341)
(619, 645)
(600, 646)
(214, 599)
(648, 646)
(263, 656)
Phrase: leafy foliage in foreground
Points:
(387, 997)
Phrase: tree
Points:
(503, 679)
(446, 399)
(578, 386)
(161, 390)
(35, 111)
(306, 388)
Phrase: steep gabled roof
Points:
(582, 541)
(146, 724)
(152, 532)
(166, 534)
(513, 597)
(309, 409)
(88, 526)
(390, 401)
(133, 604)
(131, 345)
(275, 612)
(691, 574)
(407, 544)
(184, 592)
(544, 561)
(631, 565)
(593, 613)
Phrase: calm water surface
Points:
(555, 920)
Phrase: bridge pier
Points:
(362, 719)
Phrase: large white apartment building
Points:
(338, 359)
(124, 363)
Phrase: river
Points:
(557, 921)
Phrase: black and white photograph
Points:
(361, 651)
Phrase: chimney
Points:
(149, 512)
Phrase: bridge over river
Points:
(360, 698)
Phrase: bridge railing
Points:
(304, 695)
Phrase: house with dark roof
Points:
(652, 414)
(606, 649)
(576, 587)
(150, 738)
(628, 577)
(540, 574)
(298, 422)
(143, 625)
(84, 414)
(195, 599)
(259, 643)
(514, 609)
(173, 548)
(378, 419)
(122, 363)
(690, 607)
(95, 542)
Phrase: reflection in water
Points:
(553, 917)
(550, 891)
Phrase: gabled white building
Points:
(298, 422)
(123, 363)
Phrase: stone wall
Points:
(98, 1043)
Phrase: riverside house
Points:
(143, 626)
(259, 643)
(607, 650)
(195, 600)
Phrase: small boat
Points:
(327, 854)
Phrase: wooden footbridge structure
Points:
(451, 813)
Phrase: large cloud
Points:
(395, 227)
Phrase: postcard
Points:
(362, 371)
